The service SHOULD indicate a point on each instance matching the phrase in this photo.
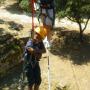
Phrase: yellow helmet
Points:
(42, 31)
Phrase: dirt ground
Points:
(69, 66)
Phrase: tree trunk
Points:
(81, 32)
(82, 29)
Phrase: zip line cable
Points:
(49, 82)
(48, 58)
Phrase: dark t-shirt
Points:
(37, 46)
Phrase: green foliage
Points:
(60, 8)
(15, 47)
(24, 4)
(2, 1)
(76, 10)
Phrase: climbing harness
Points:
(47, 5)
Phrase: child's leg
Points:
(50, 33)
(48, 22)
(30, 76)
(37, 76)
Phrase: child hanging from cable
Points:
(47, 16)
(33, 52)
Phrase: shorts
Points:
(33, 74)
(50, 16)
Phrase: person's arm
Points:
(29, 46)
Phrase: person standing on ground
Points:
(33, 52)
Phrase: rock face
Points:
(11, 50)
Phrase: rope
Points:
(49, 81)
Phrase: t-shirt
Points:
(37, 46)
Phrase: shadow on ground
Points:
(2, 21)
(1, 31)
(67, 45)
(15, 26)
(63, 88)
(12, 25)
(11, 80)
(14, 9)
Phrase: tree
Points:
(76, 10)
(24, 4)
(19, 1)
(2, 1)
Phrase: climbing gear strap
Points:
(47, 7)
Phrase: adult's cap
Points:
(42, 31)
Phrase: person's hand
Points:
(31, 50)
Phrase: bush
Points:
(2, 2)
(25, 5)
